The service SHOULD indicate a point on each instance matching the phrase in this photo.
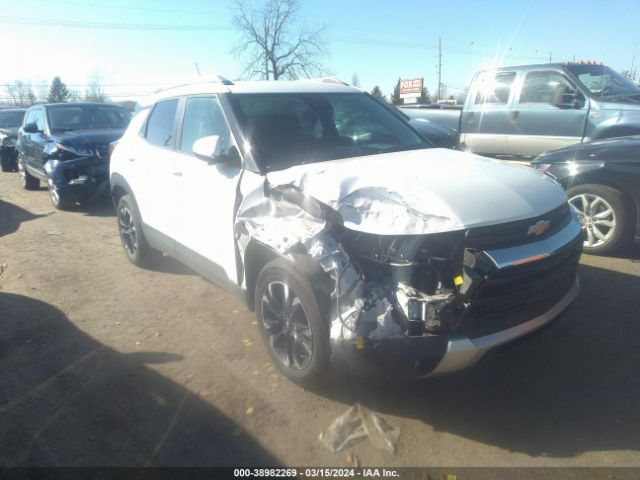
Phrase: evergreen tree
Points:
(395, 97)
(376, 92)
(425, 97)
(58, 92)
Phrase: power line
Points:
(109, 26)
(127, 7)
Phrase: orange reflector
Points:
(530, 259)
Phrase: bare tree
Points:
(42, 91)
(275, 43)
(95, 91)
(20, 94)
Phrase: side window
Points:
(161, 124)
(28, 118)
(203, 117)
(550, 88)
(494, 88)
(39, 119)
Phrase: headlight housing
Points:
(543, 167)
(8, 142)
(66, 152)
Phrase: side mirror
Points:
(31, 128)
(208, 148)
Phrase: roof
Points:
(13, 109)
(78, 104)
(262, 86)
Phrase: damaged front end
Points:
(400, 304)
(77, 174)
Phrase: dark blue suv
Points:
(66, 145)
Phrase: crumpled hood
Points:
(424, 191)
(88, 138)
(11, 132)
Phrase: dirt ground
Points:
(103, 363)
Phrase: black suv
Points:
(10, 121)
(66, 145)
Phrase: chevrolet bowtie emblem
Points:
(538, 228)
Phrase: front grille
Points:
(517, 233)
(517, 294)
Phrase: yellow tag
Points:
(458, 280)
(359, 343)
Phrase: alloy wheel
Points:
(23, 174)
(287, 326)
(128, 231)
(597, 218)
(53, 192)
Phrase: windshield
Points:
(11, 119)
(294, 128)
(604, 82)
(87, 117)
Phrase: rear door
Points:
(486, 119)
(206, 194)
(155, 178)
(549, 112)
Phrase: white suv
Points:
(345, 231)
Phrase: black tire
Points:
(57, 198)
(7, 163)
(620, 218)
(135, 246)
(28, 181)
(289, 350)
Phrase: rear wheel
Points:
(136, 248)
(290, 322)
(603, 214)
(28, 181)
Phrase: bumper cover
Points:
(79, 180)
(463, 352)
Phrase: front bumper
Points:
(462, 352)
(413, 357)
(79, 180)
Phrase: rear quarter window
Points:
(161, 126)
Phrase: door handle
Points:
(177, 173)
(132, 159)
(514, 116)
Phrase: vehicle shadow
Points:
(101, 207)
(66, 399)
(572, 388)
(11, 216)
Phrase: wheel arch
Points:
(257, 255)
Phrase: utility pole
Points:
(439, 67)
(198, 69)
(633, 64)
(549, 57)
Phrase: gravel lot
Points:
(102, 363)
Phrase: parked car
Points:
(66, 145)
(10, 121)
(439, 135)
(603, 185)
(339, 225)
(525, 111)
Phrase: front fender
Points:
(612, 123)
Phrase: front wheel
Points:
(290, 323)
(603, 216)
(57, 198)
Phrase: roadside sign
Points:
(410, 100)
(411, 87)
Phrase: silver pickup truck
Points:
(525, 111)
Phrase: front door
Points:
(206, 194)
(486, 122)
(550, 112)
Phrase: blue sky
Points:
(380, 41)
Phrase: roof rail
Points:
(329, 80)
(216, 79)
